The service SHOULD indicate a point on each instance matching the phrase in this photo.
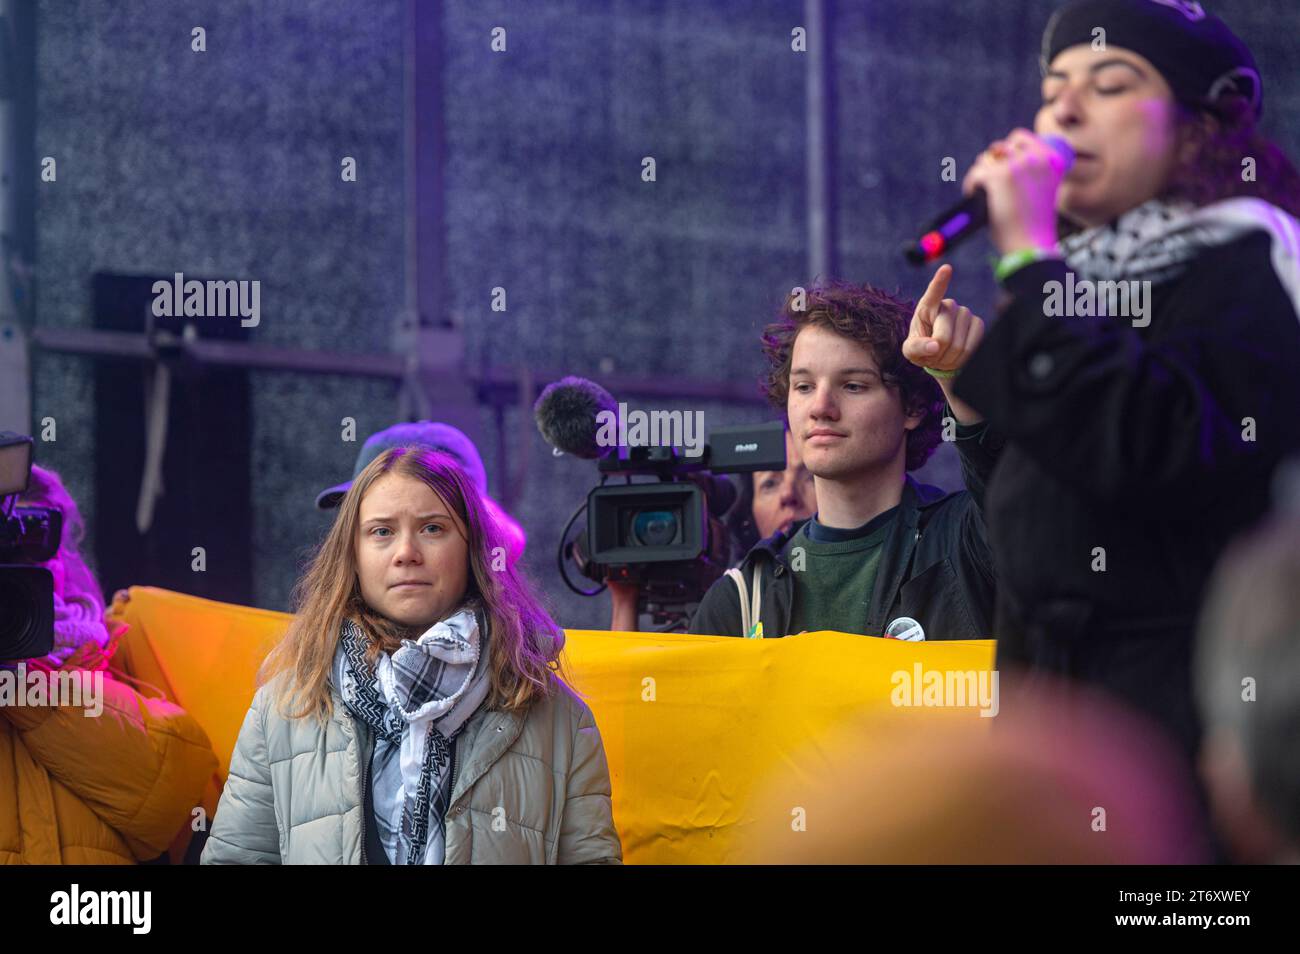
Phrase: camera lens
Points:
(654, 528)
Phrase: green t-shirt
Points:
(835, 574)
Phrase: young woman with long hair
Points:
(415, 711)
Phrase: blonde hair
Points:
(524, 643)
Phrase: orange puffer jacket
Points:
(115, 788)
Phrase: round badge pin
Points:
(906, 629)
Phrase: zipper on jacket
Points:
(451, 788)
(365, 787)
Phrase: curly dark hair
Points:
(876, 320)
(1220, 137)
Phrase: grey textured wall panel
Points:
(226, 164)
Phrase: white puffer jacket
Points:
(529, 789)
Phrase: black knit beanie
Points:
(1199, 57)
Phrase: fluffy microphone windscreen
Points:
(566, 415)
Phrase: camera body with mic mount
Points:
(663, 527)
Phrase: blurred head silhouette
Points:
(1248, 690)
(1059, 777)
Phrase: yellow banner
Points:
(693, 726)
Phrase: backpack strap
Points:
(751, 626)
(739, 579)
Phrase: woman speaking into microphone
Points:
(1145, 367)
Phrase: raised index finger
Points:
(934, 295)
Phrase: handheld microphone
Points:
(966, 217)
(566, 415)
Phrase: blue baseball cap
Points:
(431, 434)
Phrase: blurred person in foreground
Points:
(1091, 783)
(1248, 687)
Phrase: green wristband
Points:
(941, 374)
(1012, 262)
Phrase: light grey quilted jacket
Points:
(528, 789)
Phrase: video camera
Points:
(28, 536)
(663, 528)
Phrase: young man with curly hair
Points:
(864, 378)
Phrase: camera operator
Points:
(113, 779)
(79, 625)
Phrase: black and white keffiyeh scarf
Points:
(1157, 240)
(418, 698)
